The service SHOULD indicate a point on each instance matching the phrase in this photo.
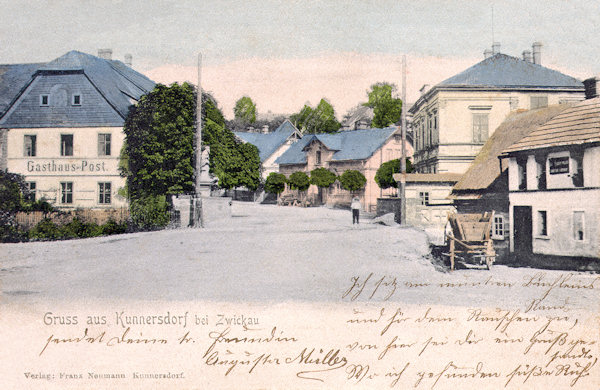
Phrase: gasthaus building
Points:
(61, 126)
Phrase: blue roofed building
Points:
(271, 145)
(454, 119)
(362, 150)
(62, 126)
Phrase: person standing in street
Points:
(355, 206)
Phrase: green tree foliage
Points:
(149, 212)
(11, 189)
(245, 110)
(322, 177)
(275, 183)
(386, 109)
(352, 180)
(320, 119)
(299, 181)
(384, 176)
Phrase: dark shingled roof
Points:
(268, 143)
(118, 84)
(485, 168)
(579, 124)
(348, 145)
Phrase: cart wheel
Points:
(489, 260)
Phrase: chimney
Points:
(495, 47)
(487, 53)
(527, 55)
(128, 59)
(591, 87)
(537, 53)
(105, 54)
(265, 129)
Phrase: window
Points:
(30, 191)
(77, 100)
(66, 192)
(104, 193)
(103, 144)
(480, 127)
(541, 171)
(30, 146)
(66, 144)
(522, 166)
(44, 100)
(578, 225)
(424, 197)
(542, 223)
(318, 157)
(577, 175)
(498, 228)
(538, 102)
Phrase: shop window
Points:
(424, 197)
(66, 192)
(104, 196)
(104, 144)
(66, 144)
(578, 225)
(30, 191)
(30, 145)
(542, 223)
(498, 228)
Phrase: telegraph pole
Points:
(402, 186)
(198, 218)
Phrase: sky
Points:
(284, 54)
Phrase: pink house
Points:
(362, 150)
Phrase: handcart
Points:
(469, 239)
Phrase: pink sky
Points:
(285, 85)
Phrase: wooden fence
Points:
(28, 220)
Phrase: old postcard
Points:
(366, 195)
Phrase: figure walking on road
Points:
(355, 206)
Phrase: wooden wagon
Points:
(469, 239)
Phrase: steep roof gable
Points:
(502, 70)
(268, 143)
(348, 145)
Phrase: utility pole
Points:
(198, 218)
(402, 186)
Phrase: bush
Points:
(322, 177)
(352, 180)
(384, 176)
(299, 181)
(112, 227)
(275, 183)
(149, 212)
(79, 229)
(45, 230)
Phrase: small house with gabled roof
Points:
(62, 126)
(554, 186)
(454, 119)
(271, 145)
(484, 187)
(362, 150)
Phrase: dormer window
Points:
(76, 100)
(44, 100)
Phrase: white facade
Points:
(565, 215)
(82, 175)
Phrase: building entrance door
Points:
(522, 229)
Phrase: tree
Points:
(322, 177)
(299, 181)
(384, 176)
(352, 180)
(321, 119)
(386, 109)
(275, 183)
(12, 187)
(245, 110)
